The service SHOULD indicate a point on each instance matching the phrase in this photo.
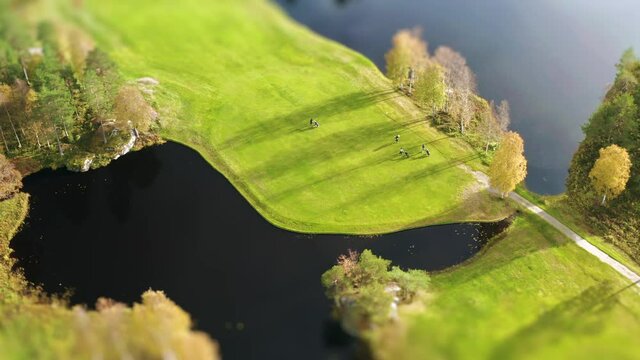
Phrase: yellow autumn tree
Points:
(611, 172)
(509, 166)
(409, 52)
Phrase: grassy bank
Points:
(558, 207)
(12, 214)
(531, 294)
(240, 82)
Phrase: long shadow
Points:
(581, 315)
(376, 191)
(331, 176)
(324, 149)
(278, 126)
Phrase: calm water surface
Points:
(162, 218)
(552, 59)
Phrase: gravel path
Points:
(483, 181)
(623, 270)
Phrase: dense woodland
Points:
(63, 102)
(444, 85)
(614, 132)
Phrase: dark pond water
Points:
(551, 59)
(162, 218)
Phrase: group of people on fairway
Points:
(406, 154)
(313, 123)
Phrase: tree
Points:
(493, 122)
(55, 108)
(10, 178)
(130, 105)
(488, 127)
(461, 85)
(503, 115)
(408, 55)
(509, 166)
(430, 88)
(101, 84)
(611, 172)
(6, 100)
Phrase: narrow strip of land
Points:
(580, 241)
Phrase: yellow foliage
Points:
(408, 51)
(611, 171)
(509, 166)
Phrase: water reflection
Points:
(162, 218)
(551, 59)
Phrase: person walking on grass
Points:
(315, 124)
(397, 138)
(406, 154)
(402, 152)
(311, 122)
(425, 150)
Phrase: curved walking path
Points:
(580, 241)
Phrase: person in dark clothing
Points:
(311, 122)
(428, 152)
(397, 138)
(406, 154)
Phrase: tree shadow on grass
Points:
(277, 126)
(332, 175)
(323, 152)
(580, 315)
(407, 180)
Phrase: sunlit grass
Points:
(242, 81)
(532, 294)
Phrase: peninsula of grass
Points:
(531, 294)
(239, 83)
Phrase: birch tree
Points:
(611, 172)
(509, 166)
(461, 85)
(6, 100)
(408, 55)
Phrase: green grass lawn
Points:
(531, 294)
(12, 214)
(239, 83)
(558, 207)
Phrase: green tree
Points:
(363, 287)
(430, 88)
(55, 108)
(6, 101)
(100, 87)
(611, 172)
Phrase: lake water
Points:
(163, 218)
(552, 59)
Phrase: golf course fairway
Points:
(239, 83)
